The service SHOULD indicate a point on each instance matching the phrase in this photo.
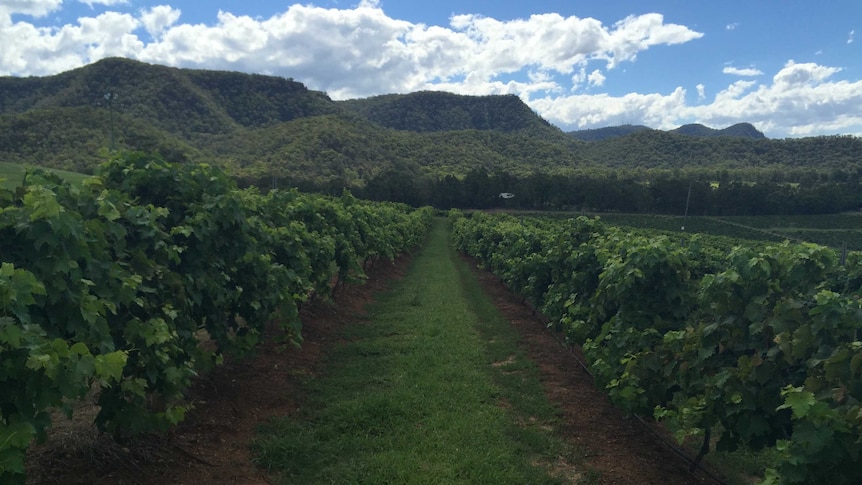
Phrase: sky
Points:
(793, 68)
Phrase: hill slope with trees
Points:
(427, 111)
(739, 130)
(269, 130)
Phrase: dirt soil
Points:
(623, 450)
(212, 444)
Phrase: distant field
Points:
(826, 222)
(834, 230)
(692, 225)
(830, 230)
(11, 175)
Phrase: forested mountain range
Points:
(739, 130)
(426, 111)
(263, 127)
(599, 134)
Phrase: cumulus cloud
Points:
(41, 51)
(159, 18)
(586, 111)
(546, 59)
(750, 71)
(637, 33)
(356, 52)
(802, 99)
(34, 8)
(106, 3)
(732, 26)
(805, 73)
(596, 78)
(850, 36)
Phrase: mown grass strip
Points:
(431, 388)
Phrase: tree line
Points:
(698, 193)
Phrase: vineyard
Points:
(834, 230)
(751, 346)
(132, 284)
(150, 274)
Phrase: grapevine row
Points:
(759, 347)
(150, 274)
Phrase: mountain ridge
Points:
(430, 111)
(258, 126)
(738, 130)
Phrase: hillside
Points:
(181, 101)
(259, 127)
(428, 111)
(599, 134)
(739, 130)
(672, 150)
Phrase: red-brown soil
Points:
(622, 450)
(212, 445)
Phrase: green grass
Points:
(430, 388)
(11, 175)
(835, 230)
(824, 222)
(713, 226)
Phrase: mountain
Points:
(739, 130)
(599, 134)
(255, 124)
(182, 101)
(429, 111)
(259, 127)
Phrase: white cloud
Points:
(578, 78)
(588, 111)
(734, 91)
(805, 73)
(41, 51)
(106, 3)
(354, 52)
(362, 51)
(801, 100)
(637, 33)
(750, 71)
(159, 18)
(596, 78)
(732, 26)
(35, 8)
(850, 36)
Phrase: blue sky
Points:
(792, 68)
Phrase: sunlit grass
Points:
(413, 395)
(12, 174)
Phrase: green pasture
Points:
(12, 174)
(835, 230)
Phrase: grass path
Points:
(429, 388)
